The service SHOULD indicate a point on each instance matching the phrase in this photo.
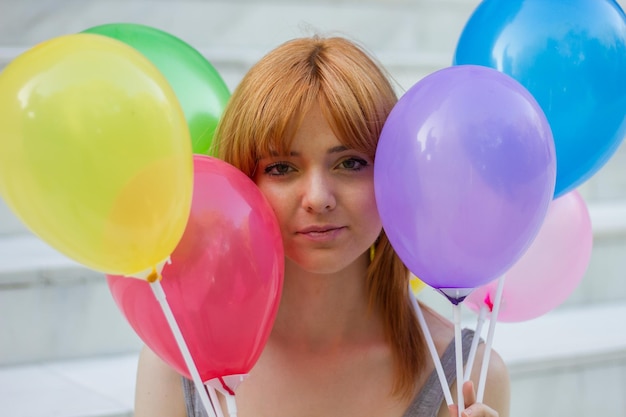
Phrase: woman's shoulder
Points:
(159, 390)
(497, 383)
(440, 328)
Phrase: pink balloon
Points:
(224, 280)
(549, 270)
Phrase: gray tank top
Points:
(425, 404)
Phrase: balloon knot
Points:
(488, 302)
(154, 276)
(225, 387)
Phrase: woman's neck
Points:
(323, 311)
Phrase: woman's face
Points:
(323, 196)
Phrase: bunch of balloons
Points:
(478, 163)
(572, 57)
(104, 136)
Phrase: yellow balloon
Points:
(417, 284)
(95, 152)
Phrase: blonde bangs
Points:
(265, 122)
(356, 96)
(352, 91)
(276, 127)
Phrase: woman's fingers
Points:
(472, 409)
(469, 394)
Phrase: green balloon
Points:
(198, 86)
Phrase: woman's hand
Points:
(472, 408)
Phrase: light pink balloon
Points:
(552, 267)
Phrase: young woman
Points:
(304, 124)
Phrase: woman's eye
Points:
(278, 169)
(354, 164)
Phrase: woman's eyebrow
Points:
(334, 149)
(337, 149)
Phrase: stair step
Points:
(399, 34)
(564, 339)
(95, 387)
(577, 347)
(54, 308)
(567, 363)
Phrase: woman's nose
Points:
(318, 195)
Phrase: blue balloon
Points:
(571, 55)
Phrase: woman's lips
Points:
(321, 233)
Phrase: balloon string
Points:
(232, 405)
(475, 340)
(492, 328)
(432, 349)
(458, 348)
(159, 294)
(219, 384)
(215, 400)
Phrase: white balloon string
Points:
(458, 348)
(432, 349)
(475, 340)
(493, 319)
(215, 400)
(232, 405)
(159, 294)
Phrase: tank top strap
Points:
(428, 401)
(193, 404)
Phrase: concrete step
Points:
(571, 362)
(53, 308)
(406, 25)
(413, 37)
(101, 386)
(568, 363)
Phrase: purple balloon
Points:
(465, 171)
